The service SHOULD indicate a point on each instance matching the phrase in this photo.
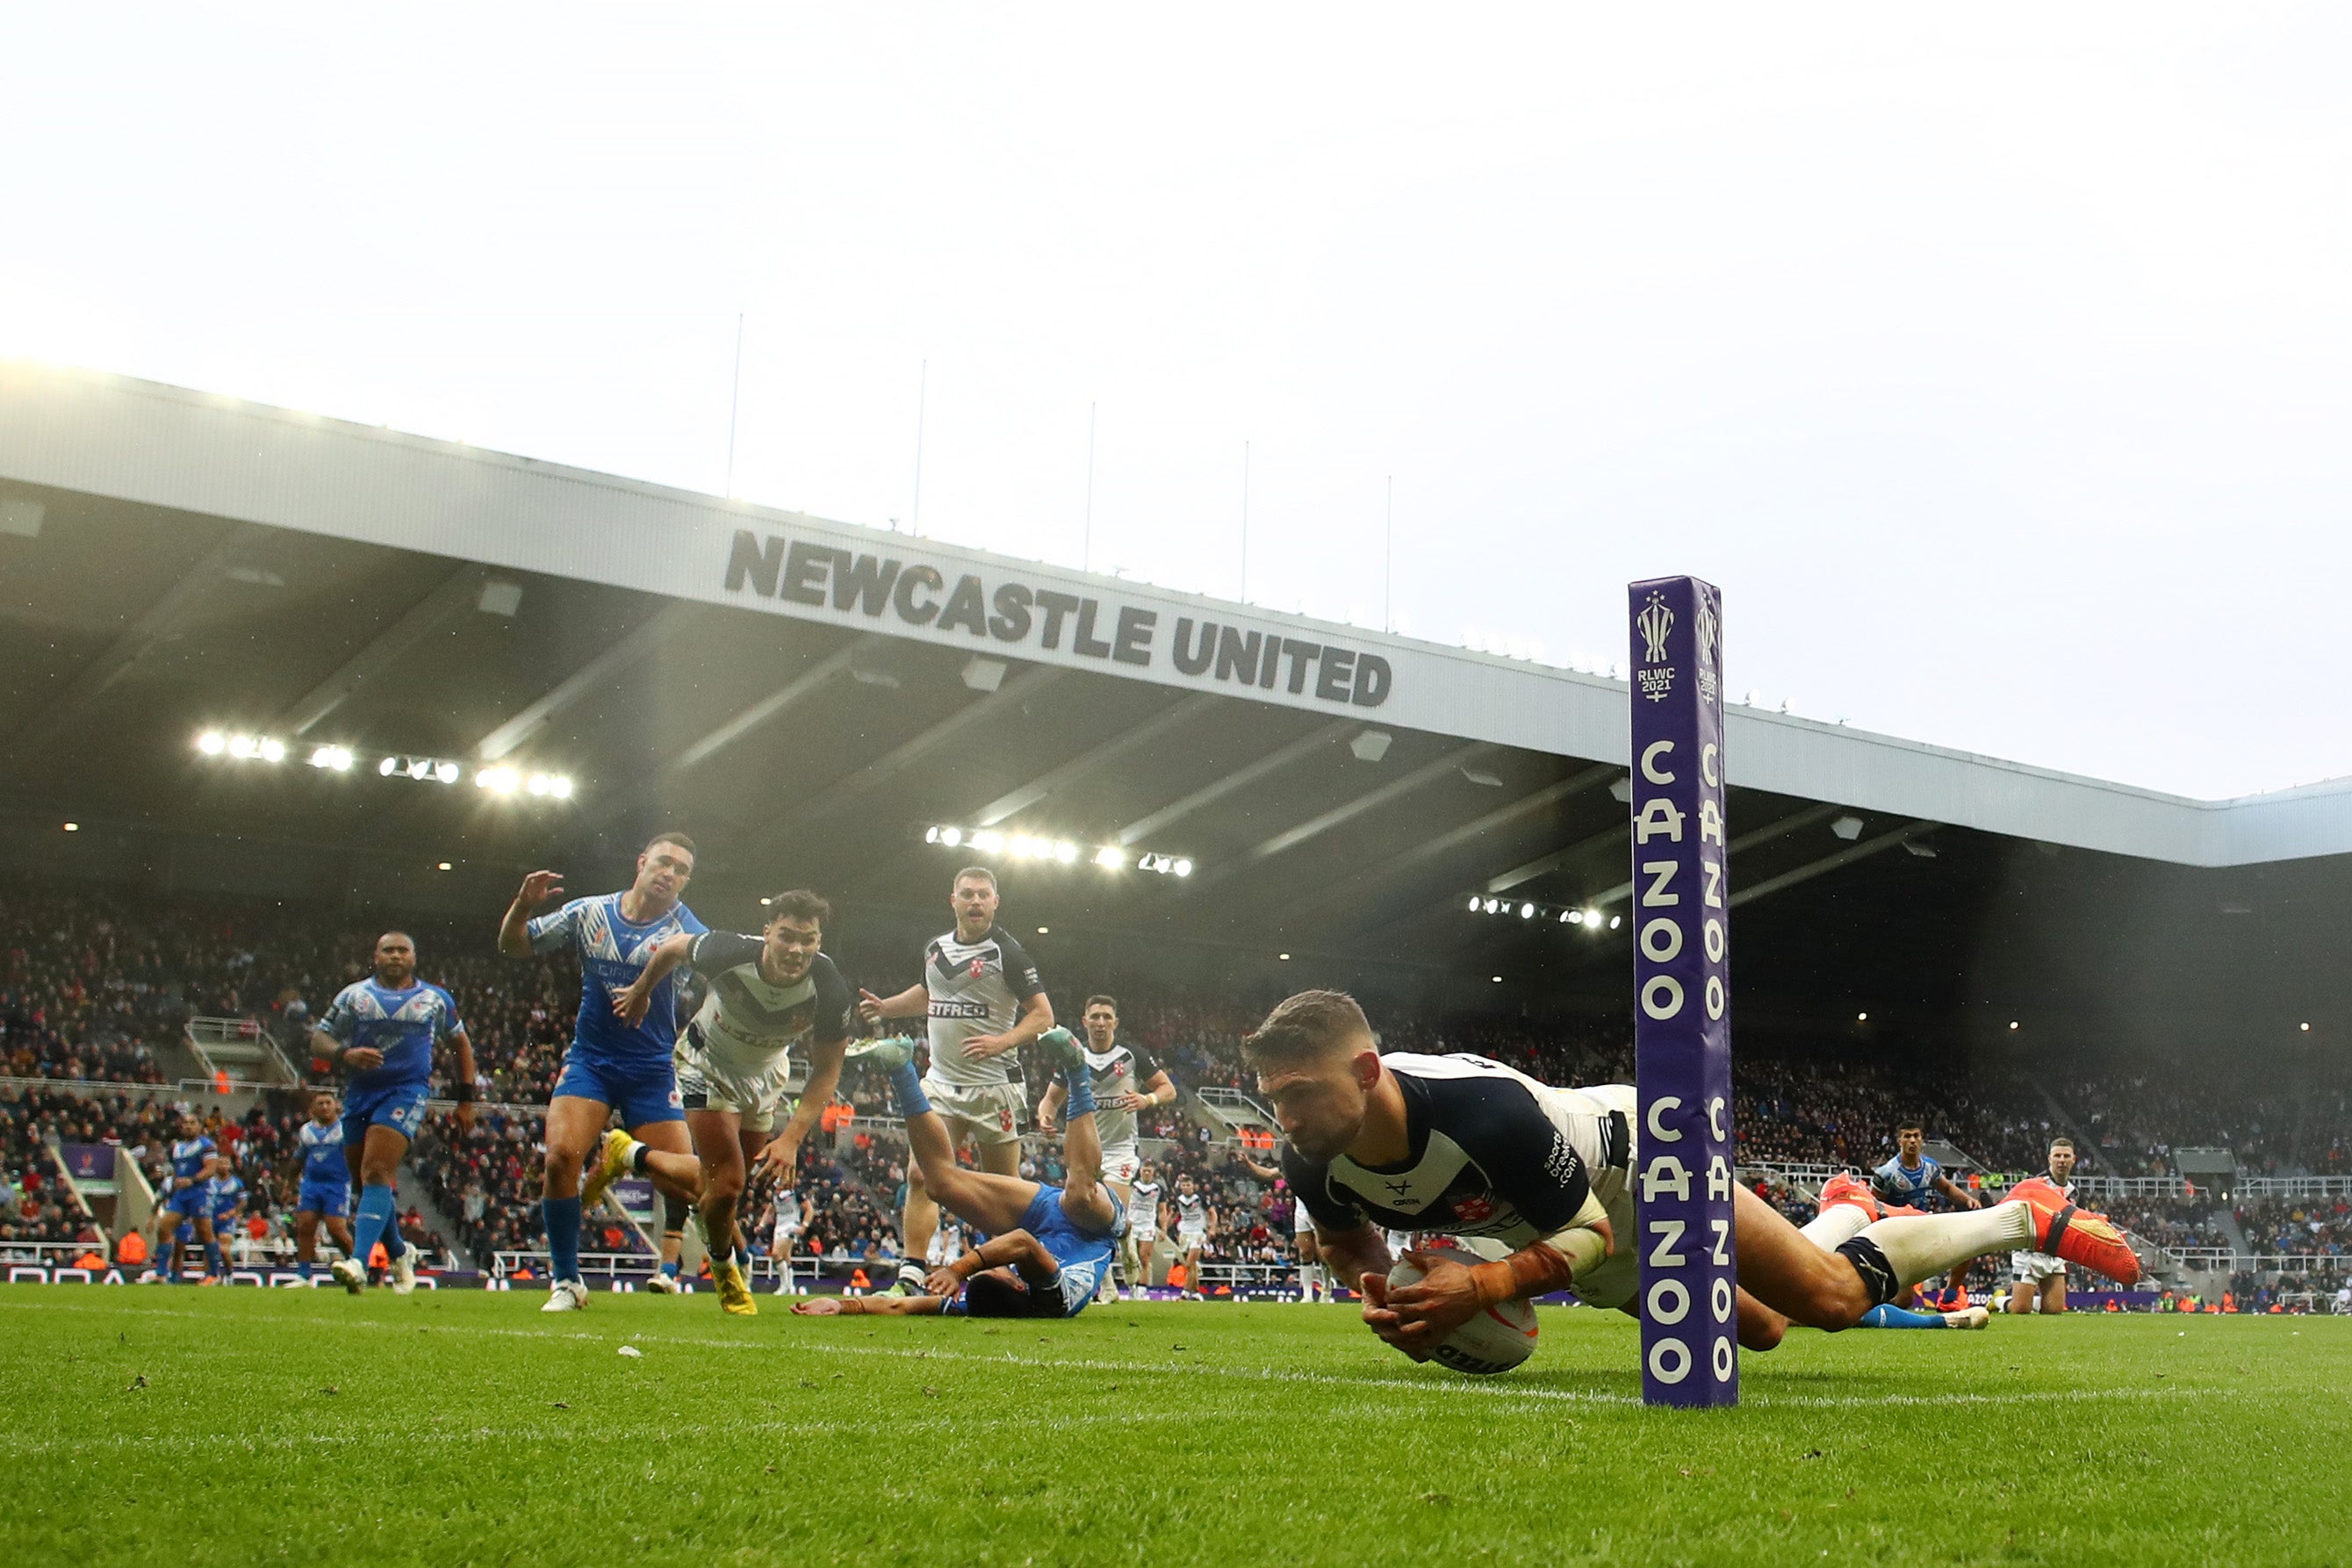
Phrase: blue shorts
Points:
(332, 1199)
(1083, 1256)
(399, 1106)
(642, 1092)
(189, 1203)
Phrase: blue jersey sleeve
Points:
(560, 928)
(450, 1022)
(341, 1022)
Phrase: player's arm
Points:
(1266, 1174)
(332, 1037)
(870, 1306)
(1955, 1192)
(1025, 1254)
(914, 1001)
(1158, 1089)
(461, 1086)
(632, 1001)
(1355, 1255)
(1037, 1017)
(515, 936)
(784, 1150)
(1049, 1106)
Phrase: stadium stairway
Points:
(413, 1194)
(2064, 1120)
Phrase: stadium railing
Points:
(45, 1252)
(1238, 1277)
(610, 1265)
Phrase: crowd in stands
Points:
(92, 981)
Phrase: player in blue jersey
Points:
(195, 1160)
(1048, 1246)
(1907, 1179)
(382, 1030)
(224, 1195)
(612, 1065)
(323, 1190)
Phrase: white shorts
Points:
(990, 1113)
(703, 1084)
(1186, 1240)
(2034, 1268)
(1301, 1221)
(1120, 1165)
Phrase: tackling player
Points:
(985, 1001)
(1907, 1178)
(1461, 1145)
(195, 1160)
(382, 1030)
(1127, 1081)
(325, 1190)
(768, 994)
(612, 1065)
(1046, 1247)
(2041, 1280)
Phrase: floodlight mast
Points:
(1683, 1174)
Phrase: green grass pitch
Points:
(181, 1426)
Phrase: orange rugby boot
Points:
(2060, 1229)
(1842, 1188)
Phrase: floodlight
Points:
(1574, 917)
(447, 772)
(1592, 919)
(388, 767)
(444, 865)
(240, 746)
(212, 742)
(1498, 980)
(560, 787)
(1284, 956)
(1527, 912)
(1184, 869)
(988, 841)
(2012, 1023)
(1616, 920)
(1110, 857)
(2304, 1027)
(498, 781)
(270, 751)
(537, 784)
(1473, 903)
(1066, 852)
(1861, 1017)
(76, 827)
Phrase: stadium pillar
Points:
(1684, 1170)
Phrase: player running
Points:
(985, 1001)
(382, 1030)
(1191, 1219)
(1127, 1081)
(323, 1193)
(1907, 1178)
(768, 994)
(1142, 1237)
(195, 1160)
(1046, 1247)
(2039, 1278)
(1461, 1145)
(612, 1065)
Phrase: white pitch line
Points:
(1412, 1386)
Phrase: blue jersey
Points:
(404, 1024)
(188, 1157)
(612, 953)
(322, 1155)
(222, 1194)
(1895, 1183)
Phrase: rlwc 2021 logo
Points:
(1654, 675)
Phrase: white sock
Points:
(1920, 1247)
(1835, 1223)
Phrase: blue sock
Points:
(670, 1268)
(212, 1261)
(563, 1215)
(1080, 1083)
(1886, 1316)
(302, 1267)
(368, 1225)
(393, 1244)
(912, 1101)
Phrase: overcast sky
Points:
(1994, 359)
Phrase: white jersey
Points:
(789, 1223)
(1191, 1214)
(1145, 1207)
(975, 988)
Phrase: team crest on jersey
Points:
(1474, 1210)
(979, 967)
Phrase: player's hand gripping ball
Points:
(1498, 1339)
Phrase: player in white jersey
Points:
(985, 1001)
(1458, 1145)
(1142, 1237)
(767, 995)
(786, 1227)
(1189, 1219)
(1127, 1081)
(2039, 1278)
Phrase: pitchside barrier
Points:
(1682, 1014)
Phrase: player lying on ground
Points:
(382, 1031)
(1460, 1145)
(1128, 1081)
(1046, 1247)
(768, 994)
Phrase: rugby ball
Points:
(1498, 1339)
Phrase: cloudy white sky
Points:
(1994, 360)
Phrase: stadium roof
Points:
(809, 696)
